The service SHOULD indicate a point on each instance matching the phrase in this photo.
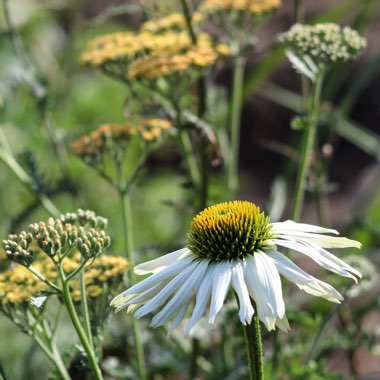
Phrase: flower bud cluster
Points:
(17, 248)
(325, 44)
(82, 230)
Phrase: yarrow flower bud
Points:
(17, 250)
(325, 44)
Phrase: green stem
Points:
(321, 333)
(58, 361)
(186, 146)
(202, 108)
(128, 245)
(254, 346)
(297, 11)
(307, 148)
(43, 279)
(54, 356)
(91, 357)
(86, 314)
(236, 108)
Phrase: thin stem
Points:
(128, 246)
(48, 205)
(201, 81)
(43, 279)
(254, 346)
(86, 314)
(186, 145)
(58, 361)
(321, 332)
(237, 103)
(91, 357)
(297, 10)
(307, 148)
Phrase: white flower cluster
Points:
(324, 44)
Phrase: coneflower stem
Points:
(307, 148)
(252, 335)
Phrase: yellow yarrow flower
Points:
(256, 7)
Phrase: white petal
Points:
(169, 272)
(324, 241)
(322, 257)
(202, 298)
(283, 324)
(178, 319)
(220, 285)
(134, 301)
(147, 295)
(264, 285)
(166, 292)
(290, 226)
(156, 265)
(237, 280)
(182, 296)
(303, 280)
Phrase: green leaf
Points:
(360, 136)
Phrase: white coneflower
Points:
(234, 244)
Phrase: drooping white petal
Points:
(156, 265)
(237, 280)
(323, 241)
(167, 273)
(202, 298)
(182, 296)
(283, 324)
(290, 226)
(264, 285)
(322, 257)
(122, 301)
(303, 280)
(147, 295)
(167, 291)
(178, 319)
(220, 285)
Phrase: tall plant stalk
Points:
(307, 147)
(236, 109)
(125, 203)
(88, 348)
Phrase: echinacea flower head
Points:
(234, 245)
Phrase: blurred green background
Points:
(47, 97)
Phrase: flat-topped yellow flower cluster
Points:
(255, 7)
(18, 285)
(110, 135)
(160, 48)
